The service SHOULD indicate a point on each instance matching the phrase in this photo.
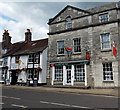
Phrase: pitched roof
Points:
(68, 6)
(23, 48)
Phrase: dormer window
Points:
(68, 23)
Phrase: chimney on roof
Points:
(6, 41)
(28, 35)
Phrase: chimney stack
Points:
(28, 35)
(6, 41)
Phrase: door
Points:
(68, 75)
(14, 78)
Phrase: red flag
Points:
(87, 56)
(114, 50)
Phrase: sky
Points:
(16, 17)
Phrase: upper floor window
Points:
(1, 62)
(107, 72)
(36, 58)
(17, 59)
(30, 59)
(60, 47)
(5, 61)
(68, 23)
(77, 45)
(105, 41)
(103, 17)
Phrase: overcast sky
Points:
(18, 16)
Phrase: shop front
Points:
(69, 73)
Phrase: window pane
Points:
(68, 23)
(77, 44)
(58, 73)
(60, 47)
(107, 71)
(105, 41)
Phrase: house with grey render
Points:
(84, 47)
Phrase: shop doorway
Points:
(68, 75)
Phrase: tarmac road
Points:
(28, 99)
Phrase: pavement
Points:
(108, 92)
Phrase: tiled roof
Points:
(22, 48)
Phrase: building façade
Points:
(84, 47)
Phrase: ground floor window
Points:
(58, 73)
(32, 73)
(79, 73)
(107, 72)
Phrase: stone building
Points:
(84, 46)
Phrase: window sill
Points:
(77, 53)
(58, 55)
(111, 81)
(106, 50)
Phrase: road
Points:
(23, 99)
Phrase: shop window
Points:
(77, 45)
(68, 23)
(79, 73)
(104, 17)
(105, 41)
(58, 73)
(107, 72)
(60, 47)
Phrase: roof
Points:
(68, 6)
(23, 48)
(90, 11)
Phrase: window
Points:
(103, 17)
(5, 61)
(77, 45)
(1, 62)
(68, 23)
(105, 41)
(107, 72)
(36, 58)
(79, 73)
(58, 73)
(60, 47)
(30, 74)
(17, 59)
(30, 59)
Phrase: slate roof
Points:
(23, 48)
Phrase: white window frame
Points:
(100, 20)
(102, 42)
(81, 74)
(56, 77)
(74, 45)
(58, 48)
(107, 74)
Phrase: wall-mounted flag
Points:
(87, 55)
(114, 50)
(69, 50)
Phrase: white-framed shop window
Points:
(79, 73)
(107, 72)
(58, 73)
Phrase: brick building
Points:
(84, 46)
